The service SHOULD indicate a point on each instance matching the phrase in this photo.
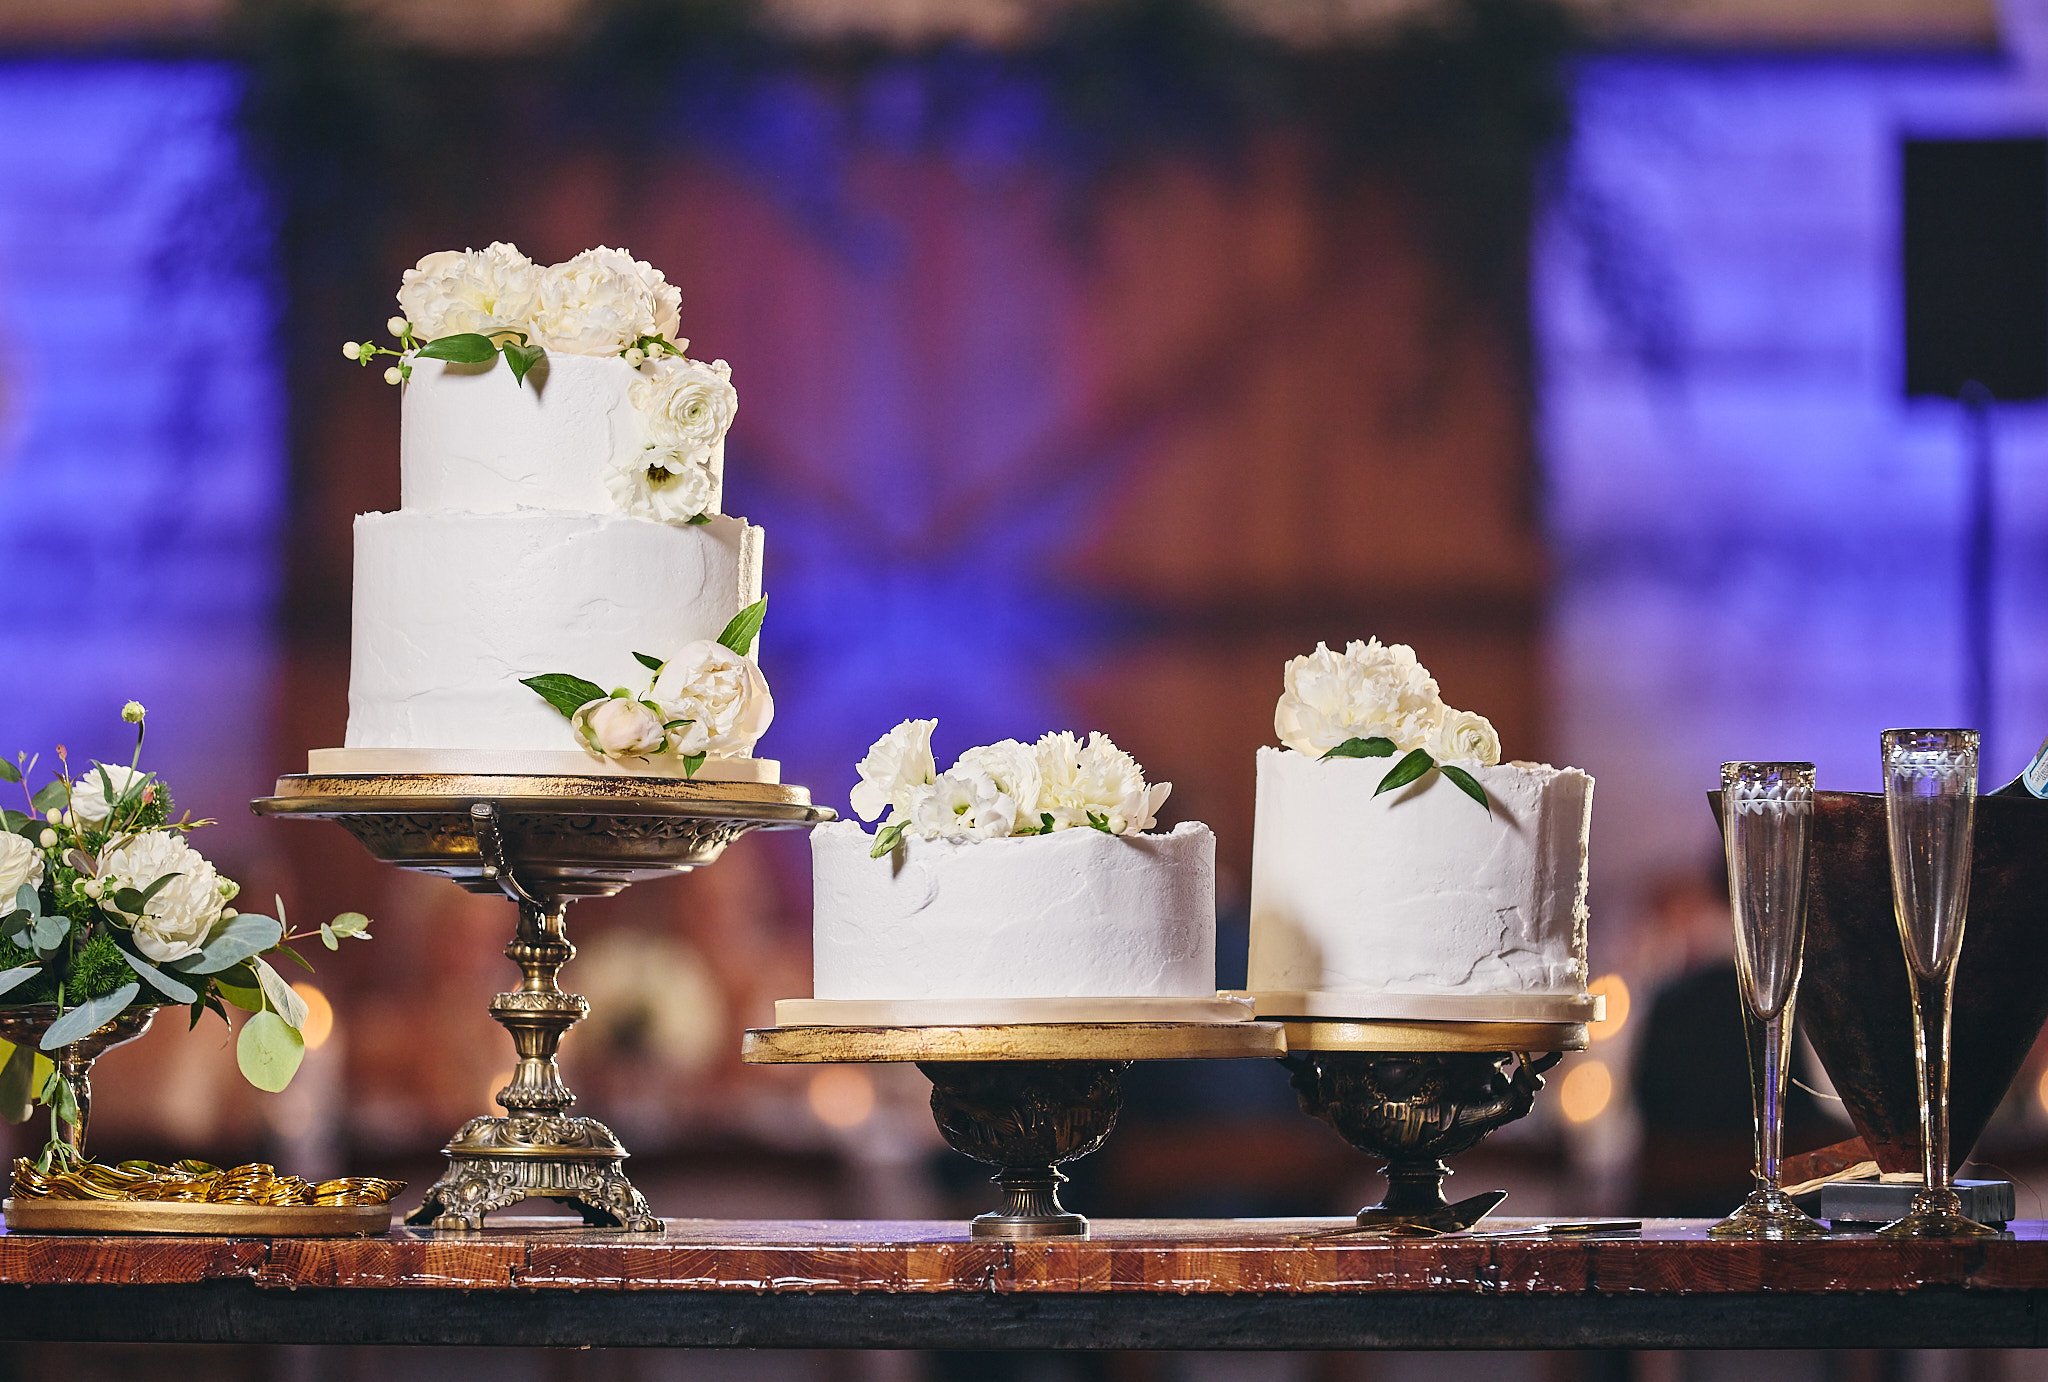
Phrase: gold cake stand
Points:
(1022, 1097)
(1414, 1093)
(543, 842)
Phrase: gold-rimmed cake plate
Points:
(1014, 1041)
(1348, 1006)
(1316, 1034)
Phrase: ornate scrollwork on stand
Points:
(1025, 1118)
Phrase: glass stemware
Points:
(1930, 802)
(1766, 829)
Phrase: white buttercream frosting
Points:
(1418, 891)
(1077, 914)
(452, 609)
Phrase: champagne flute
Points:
(1930, 804)
(1766, 830)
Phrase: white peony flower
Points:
(490, 291)
(897, 768)
(721, 693)
(1370, 690)
(617, 727)
(602, 301)
(1011, 772)
(1465, 737)
(689, 405)
(664, 485)
(89, 800)
(1099, 779)
(21, 865)
(176, 921)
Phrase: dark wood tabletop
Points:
(1132, 1284)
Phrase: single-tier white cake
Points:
(1418, 893)
(1076, 914)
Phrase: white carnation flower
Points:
(490, 291)
(601, 302)
(689, 405)
(618, 727)
(664, 485)
(1370, 690)
(175, 922)
(1097, 779)
(21, 866)
(90, 802)
(1011, 772)
(897, 768)
(1465, 737)
(964, 804)
(722, 694)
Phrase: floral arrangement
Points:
(471, 307)
(1001, 790)
(105, 905)
(1375, 700)
(709, 698)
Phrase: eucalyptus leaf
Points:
(269, 1051)
(13, 822)
(564, 692)
(283, 1000)
(350, 924)
(18, 1083)
(1378, 746)
(247, 935)
(25, 900)
(49, 933)
(17, 976)
(239, 987)
(1406, 771)
(465, 348)
(521, 358)
(327, 937)
(163, 983)
(8, 772)
(649, 661)
(87, 1018)
(1467, 784)
(887, 838)
(739, 635)
(54, 794)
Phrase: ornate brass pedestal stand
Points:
(543, 842)
(1415, 1093)
(1024, 1098)
(25, 1025)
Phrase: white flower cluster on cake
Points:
(707, 700)
(1376, 700)
(999, 790)
(473, 306)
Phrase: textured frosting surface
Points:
(452, 609)
(1418, 891)
(1078, 914)
(473, 439)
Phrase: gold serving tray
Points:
(210, 1220)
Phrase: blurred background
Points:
(1095, 356)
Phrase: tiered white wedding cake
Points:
(1022, 882)
(1399, 869)
(559, 539)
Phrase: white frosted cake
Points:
(551, 594)
(1024, 882)
(1457, 892)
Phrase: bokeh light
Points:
(319, 1015)
(1586, 1092)
(1614, 989)
(841, 1096)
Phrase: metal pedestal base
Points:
(494, 1163)
(1025, 1118)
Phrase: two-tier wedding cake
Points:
(559, 591)
(1399, 868)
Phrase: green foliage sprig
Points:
(1413, 767)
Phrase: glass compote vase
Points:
(1930, 800)
(1766, 828)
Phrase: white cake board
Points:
(981, 1012)
(532, 763)
(1427, 1007)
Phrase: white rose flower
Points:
(664, 485)
(1095, 778)
(617, 727)
(176, 921)
(21, 866)
(601, 302)
(1370, 690)
(1011, 772)
(90, 803)
(1465, 737)
(490, 291)
(689, 405)
(897, 768)
(721, 693)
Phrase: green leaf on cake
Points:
(522, 357)
(745, 627)
(565, 693)
(887, 838)
(649, 661)
(699, 520)
(1466, 783)
(692, 762)
(467, 348)
(1100, 822)
(1406, 771)
(1376, 747)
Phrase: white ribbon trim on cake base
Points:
(534, 763)
(983, 1012)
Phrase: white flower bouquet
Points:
(1001, 790)
(471, 307)
(105, 905)
(1375, 700)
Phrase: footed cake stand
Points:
(543, 842)
(1023, 1097)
